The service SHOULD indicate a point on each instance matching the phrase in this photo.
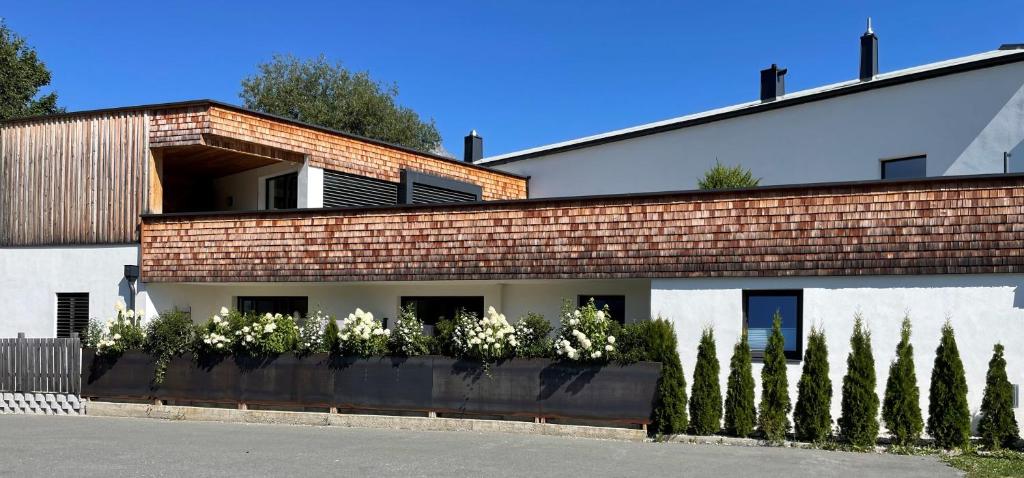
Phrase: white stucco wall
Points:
(514, 299)
(983, 309)
(311, 187)
(248, 188)
(963, 122)
(31, 277)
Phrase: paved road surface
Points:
(89, 446)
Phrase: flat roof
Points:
(907, 75)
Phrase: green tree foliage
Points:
(812, 417)
(998, 426)
(949, 420)
(773, 421)
(22, 74)
(858, 423)
(331, 332)
(169, 335)
(728, 177)
(740, 414)
(317, 92)
(655, 341)
(901, 409)
(706, 394)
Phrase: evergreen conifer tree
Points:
(949, 420)
(706, 394)
(331, 335)
(812, 417)
(740, 415)
(998, 425)
(773, 421)
(858, 423)
(901, 409)
(669, 414)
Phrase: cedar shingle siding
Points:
(944, 226)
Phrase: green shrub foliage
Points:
(949, 420)
(858, 423)
(655, 341)
(725, 177)
(812, 416)
(169, 335)
(532, 335)
(998, 426)
(773, 420)
(740, 414)
(901, 409)
(706, 394)
(331, 332)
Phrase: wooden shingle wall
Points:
(945, 226)
(73, 179)
(326, 150)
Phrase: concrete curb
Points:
(168, 412)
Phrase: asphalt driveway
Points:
(87, 446)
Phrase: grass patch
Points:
(988, 465)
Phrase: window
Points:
(420, 188)
(616, 305)
(904, 168)
(283, 191)
(432, 309)
(72, 314)
(759, 308)
(294, 306)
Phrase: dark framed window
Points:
(759, 308)
(295, 306)
(905, 168)
(72, 314)
(283, 191)
(422, 188)
(431, 309)
(616, 305)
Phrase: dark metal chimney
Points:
(473, 149)
(868, 54)
(773, 83)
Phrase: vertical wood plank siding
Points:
(77, 179)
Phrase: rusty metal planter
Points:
(518, 387)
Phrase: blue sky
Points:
(523, 73)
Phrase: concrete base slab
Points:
(168, 412)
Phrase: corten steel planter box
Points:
(518, 387)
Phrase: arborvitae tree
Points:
(902, 407)
(949, 420)
(669, 415)
(812, 417)
(331, 335)
(858, 423)
(998, 426)
(773, 421)
(706, 395)
(740, 414)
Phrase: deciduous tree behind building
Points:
(22, 75)
(317, 92)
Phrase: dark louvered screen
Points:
(427, 194)
(348, 190)
(72, 314)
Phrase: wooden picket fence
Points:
(41, 365)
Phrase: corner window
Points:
(293, 306)
(904, 168)
(616, 305)
(759, 308)
(431, 310)
(283, 191)
(72, 314)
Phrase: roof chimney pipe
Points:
(868, 54)
(773, 83)
(473, 149)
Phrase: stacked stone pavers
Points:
(41, 403)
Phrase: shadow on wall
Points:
(124, 291)
(1018, 298)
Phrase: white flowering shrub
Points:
(119, 334)
(215, 336)
(268, 334)
(488, 338)
(311, 333)
(407, 338)
(585, 334)
(361, 335)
